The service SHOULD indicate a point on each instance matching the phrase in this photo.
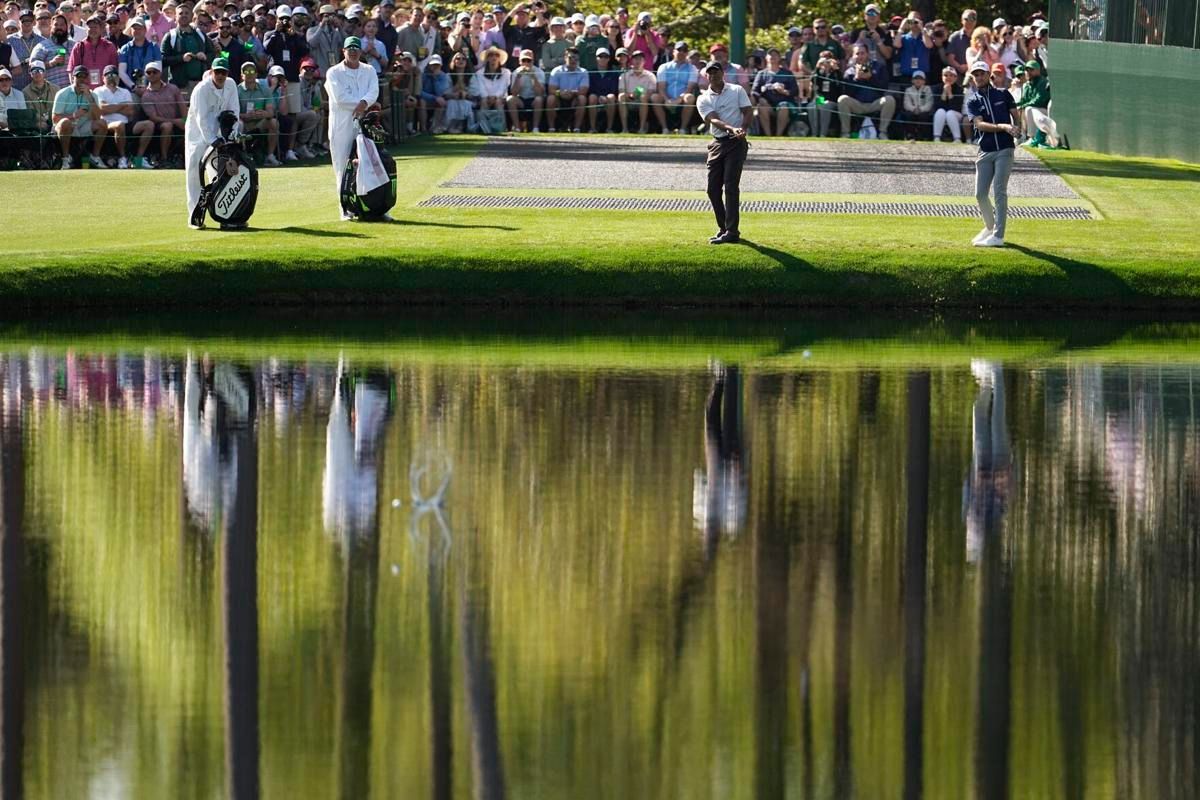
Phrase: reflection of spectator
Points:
(985, 492)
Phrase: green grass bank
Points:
(118, 239)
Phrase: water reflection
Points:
(562, 622)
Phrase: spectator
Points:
(937, 56)
(1009, 48)
(164, 107)
(309, 127)
(1041, 38)
(286, 100)
(636, 87)
(116, 32)
(555, 48)
(384, 28)
(493, 31)
(948, 105)
(603, 89)
(258, 112)
(774, 92)
(459, 114)
(913, 43)
(116, 109)
(1017, 85)
(44, 21)
(577, 27)
(796, 60)
(8, 56)
(865, 93)
(615, 36)
(186, 52)
(10, 98)
(133, 57)
(94, 52)
(827, 88)
(795, 45)
(39, 96)
(406, 85)
(325, 39)
(568, 89)
(520, 34)
(960, 40)
(435, 92)
(74, 14)
(286, 49)
(159, 24)
(22, 43)
(981, 47)
(527, 93)
(821, 42)
(873, 35)
(227, 41)
(918, 108)
(733, 72)
(590, 43)
(55, 52)
(463, 39)
(676, 90)
(644, 39)
(374, 52)
(1035, 102)
(491, 81)
(76, 114)
(806, 99)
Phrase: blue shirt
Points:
(434, 86)
(676, 77)
(995, 106)
(604, 81)
(569, 80)
(136, 58)
(914, 55)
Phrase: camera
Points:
(643, 25)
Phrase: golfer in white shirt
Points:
(727, 109)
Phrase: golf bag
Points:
(369, 202)
(229, 178)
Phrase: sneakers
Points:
(67, 163)
(271, 161)
(347, 216)
(290, 155)
(882, 136)
(122, 163)
(97, 162)
(983, 234)
(536, 130)
(304, 152)
(990, 241)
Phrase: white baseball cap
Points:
(275, 70)
(434, 59)
(980, 66)
(283, 11)
(154, 65)
(557, 21)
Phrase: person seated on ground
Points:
(406, 86)
(76, 114)
(554, 51)
(675, 90)
(913, 44)
(918, 108)
(568, 89)
(435, 92)
(775, 93)
(258, 112)
(526, 93)
(948, 105)
(865, 93)
(10, 98)
(165, 109)
(116, 109)
(636, 86)
(603, 88)
(491, 83)
(1035, 102)
(39, 96)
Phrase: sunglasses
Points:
(5, 80)
(820, 27)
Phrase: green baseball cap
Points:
(1018, 68)
(221, 64)
(352, 42)
(1033, 64)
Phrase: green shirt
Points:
(812, 52)
(1035, 93)
(178, 42)
(553, 54)
(256, 99)
(68, 101)
(588, 46)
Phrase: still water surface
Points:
(600, 570)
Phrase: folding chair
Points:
(30, 144)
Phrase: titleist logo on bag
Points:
(230, 196)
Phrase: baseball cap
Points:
(498, 9)
(352, 42)
(643, 15)
(999, 68)
(872, 9)
(526, 54)
(621, 51)
(434, 59)
(463, 17)
(250, 66)
(918, 73)
(155, 65)
(1018, 68)
(794, 31)
(979, 66)
(717, 48)
(95, 18)
(1033, 63)
(308, 63)
(299, 11)
(80, 69)
(276, 70)
(111, 18)
(137, 22)
(411, 57)
(999, 22)
(327, 9)
(110, 70)
(221, 64)
(896, 20)
(4, 73)
(26, 12)
(591, 20)
(634, 54)
(37, 66)
(11, 24)
(557, 21)
(681, 46)
(713, 66)
(603, 51)
(837, 30)
(577, 17)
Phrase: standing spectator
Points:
(981, 47)
(590, 43)
(431, 37)
(615, 36)
(603, 88)
(520, 34)
(463, 39)
(644, 39)
(55, 52)
(795, 45)
(76, 113)
(325, 40)
(994, 115)
(39, 96)
(918, 108)
(116, 32)
(163, 105)
(577, 27)
(75, 24)
(435, 93)
(960, 40)
(95, 52)
(948, 104)
(774, 92)
(637, 85)
(676, 90)
(1009, 48)
(22, 43)
(374, 52)
(821, 41)
(527, 93)
(287, 49)
(159, 24)
(285, 114)
(186, 52)
(492, 32)
(386, 31)
(937, 56)
(136, 54)
(865, 93)
(1035, 102)
(8, 56)
(913, 44)
(876, 38)
(568, 89)
(555, 48)
(116, 109)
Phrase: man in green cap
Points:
(352, 88)
(1035, 102)
(214, 94)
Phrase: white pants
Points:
(1038, 119)
(947, 117)
(339, 150)
(193, 155)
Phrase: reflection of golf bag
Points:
(229, 178)
(376, 202)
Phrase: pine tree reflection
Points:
(915, 559)
(479, 684)
(12, 555)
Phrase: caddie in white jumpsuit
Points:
(211, 96)
(352, 88)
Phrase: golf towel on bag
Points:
(371, 172)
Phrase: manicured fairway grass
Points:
(119, 238)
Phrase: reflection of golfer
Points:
(992, 111)
(727, 110)
(719, 494)
(985, 493)
(211, 96)
(352, 87)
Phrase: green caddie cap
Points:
(1033, 64)
(352, 42)
(221, 64)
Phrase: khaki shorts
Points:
(83, 127)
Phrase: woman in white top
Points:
(491, 81)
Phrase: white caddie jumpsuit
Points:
(347, 88)
(206, 104)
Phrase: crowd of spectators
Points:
(106, 83)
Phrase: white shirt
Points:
(728, 105)
(204, 106)
(13, 101)
(113, 97)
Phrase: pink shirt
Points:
(95, 57)
(158, 28)
(636, 41)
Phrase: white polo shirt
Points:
(728, 104)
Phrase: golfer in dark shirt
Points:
(727, 110)
(995, 116)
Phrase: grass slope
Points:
(137, 252)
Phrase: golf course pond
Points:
(631, 557)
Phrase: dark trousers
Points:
(725, 160)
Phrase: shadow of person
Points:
(1090, 280)
(789, 261)
(328, 234)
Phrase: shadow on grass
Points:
(789, 261)
(1125, 168)
(1089, 279)
(424, 224)
(325, 234)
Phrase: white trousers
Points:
(1037, 118)
(946, 117)
(193, 154)
(339, 150)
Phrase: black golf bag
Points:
(229, 178)
(380, 200)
